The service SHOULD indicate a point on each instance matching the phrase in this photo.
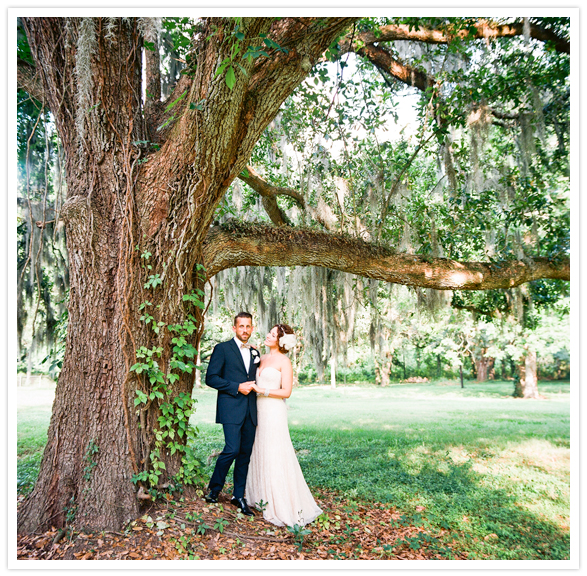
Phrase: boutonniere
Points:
(256, 360)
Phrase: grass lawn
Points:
(491, 469)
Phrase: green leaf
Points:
(169, 120)
(170, 106)
(198, 106)
(230, 78)
(222, 66)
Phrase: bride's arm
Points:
(286, 383)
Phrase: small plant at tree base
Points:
(184, 545)
(201, 529)
(193, 516)
(220, 525)
(349, 531)
(70, 511)
(299, 533)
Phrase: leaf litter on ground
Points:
(199, 531)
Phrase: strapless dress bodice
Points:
(269, 377)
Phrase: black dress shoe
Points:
(212, 497)
(242, 504)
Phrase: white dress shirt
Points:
(245, 353)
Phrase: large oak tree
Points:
(140, 223)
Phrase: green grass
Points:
(33, 415)
(491, 469)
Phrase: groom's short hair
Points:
(242, 315)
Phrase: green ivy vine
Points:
(174, 432)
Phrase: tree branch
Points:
(28, 80)
(269, 192)
(495, 313)
(238, 244)
(385, 62)
(278, 217)
(483, 29)
(152, 70)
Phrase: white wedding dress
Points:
(275, 476)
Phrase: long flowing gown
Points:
(275, 476)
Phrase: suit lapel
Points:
(252, 366)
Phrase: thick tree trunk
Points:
(526, 384)
(385, 372)
(123, 217)
(382, 369)
(483, 367)
(87, 465)
(88, 461)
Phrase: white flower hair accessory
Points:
(288, 341)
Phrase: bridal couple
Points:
(251, 407)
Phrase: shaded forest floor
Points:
(199, 531)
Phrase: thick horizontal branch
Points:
(482, 29)
(238, 244)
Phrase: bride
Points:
(275, 477)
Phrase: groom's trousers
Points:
(239, 439)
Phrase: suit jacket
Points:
(225, 372)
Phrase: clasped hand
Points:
(246, 387)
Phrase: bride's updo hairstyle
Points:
(282, 330)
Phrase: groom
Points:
(231, 371)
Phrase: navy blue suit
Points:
(235, 411)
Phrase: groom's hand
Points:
(245, 387)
